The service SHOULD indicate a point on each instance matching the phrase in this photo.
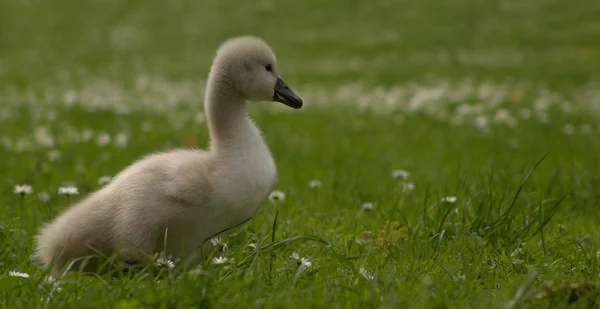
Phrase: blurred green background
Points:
(383, 41)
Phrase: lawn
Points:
(446, 155)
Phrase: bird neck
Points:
(230, 127)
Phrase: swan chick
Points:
(173, 202)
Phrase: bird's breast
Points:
(249, 183)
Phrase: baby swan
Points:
(173, 202)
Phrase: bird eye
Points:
(269, 68)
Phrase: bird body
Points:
(173, 202)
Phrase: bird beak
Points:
(285, 95)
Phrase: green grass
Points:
(526, 184)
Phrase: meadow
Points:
(446, 155)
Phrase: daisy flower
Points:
(103, 139)
(301, 261)
(366, 274)
(167, 263)
(52, 282)
(302, 264)
(68, 190)
(449, 199)
(367, 206)
(121, 140)
(277, 196)
(402, 174)
(13, 273)
(23, 189)
(314, 184)
(220, 260)
(218, 242)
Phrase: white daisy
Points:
(402, 174)
(13, 273)
(23, 189)
(168, 263)
(367, 206)
(460, 277)
(70, 97)
(315, 183)
(218, 242)
(305, 263)
(44, 137)
(302, 264)
(68, 190)
(366, 274)
(502, 115)
(103, 139)
(121, 140)
(481, 121)
(277, 196)
(53, 282)
(220, 260)
(449, 199)
(301, 261)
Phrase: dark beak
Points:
(285, 95)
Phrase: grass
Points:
(494, 104)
